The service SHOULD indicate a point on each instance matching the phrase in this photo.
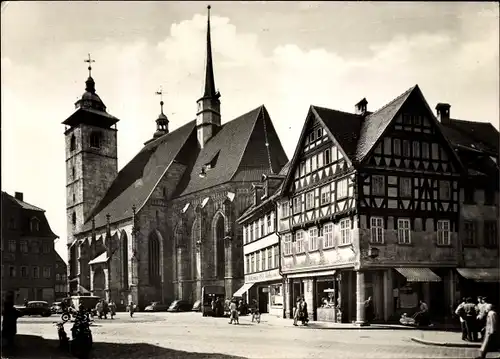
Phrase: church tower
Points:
(91, 155)
(208, 119)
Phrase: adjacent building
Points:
(61, 283)
(261, 247)
(371, 207)
(28, 254)
(165, 225)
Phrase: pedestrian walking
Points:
(491, 341)
(233, 308)
(459, 311)
(369, 310)
(99, 309)
(112, 309)
(304, 316)
(296, 311)
(481, 317)
(9, 321)
(422, 317)
(255, 311)
(131, 308)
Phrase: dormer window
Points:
(34, 224)
(95, 139)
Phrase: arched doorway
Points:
(154, 260)
(220, 250)
(99, 282)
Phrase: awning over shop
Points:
(419, 275)
(243, 289)
(312, 274)
(480, 274)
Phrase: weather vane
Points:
(89, 60)
(160, 92)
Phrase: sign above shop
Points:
(263, 276)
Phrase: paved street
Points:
(189, 335)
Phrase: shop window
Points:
(276, 295)
(377, 230)
(443, 232)
(404, 231)
(345, 231)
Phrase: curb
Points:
(444, 344)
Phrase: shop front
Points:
(267, 288)
(473, 282)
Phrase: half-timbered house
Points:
(370, 207)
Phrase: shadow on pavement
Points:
(36, 347)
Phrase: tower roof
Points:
(209, 91)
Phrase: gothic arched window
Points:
(195, 238)
(124, 248)
(220, 256)
(72, 143)
(154, 259)
(95, 139)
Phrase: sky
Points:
(285, 55)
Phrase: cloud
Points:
(35, 100)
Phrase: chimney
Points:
(443, 113)
(19, 196)
(361, 107)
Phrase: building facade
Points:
(28, 254)
(61, 283)
(165, 225)
(371, 208)
(263, 280)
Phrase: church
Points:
(165, 225)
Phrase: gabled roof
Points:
(24, 216)
(344, 126)
(138, 178)
(376, 123)
(241, 151)
(482, 136)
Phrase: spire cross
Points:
(90, 61)
(160, 92)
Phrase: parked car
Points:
(156, 307)
(56, 308)
(196, 306)
(180, 306)
(37, 307)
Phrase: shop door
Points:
(263, 299)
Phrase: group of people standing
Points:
(479, 322)
(300, 312)
(103, 308)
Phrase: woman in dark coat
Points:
(369, 310)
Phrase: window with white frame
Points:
(247, 268)
(416, 149)
(320, 160)
(334, 154)
(345, 231)
(443, 232)
(287, 244)
(406, 148)
(377, 230)
(297, 205)
(299, 239)
(36, 272)
(328, 157)
(314, 164)
(12, 246)
(325, 195)
(308, 165)
(285, 207)
(257, 261)
(378, 185)
(328, 235)
(263, 255)
(250, 238)
(405, 187)
(262, 227)
(404, 231)
(269, 224)
(23, 246)
(245, 234)
(313, 239)
(342, 188)
(270, 258)
(310, 200)
(397, 146)
(252, 263)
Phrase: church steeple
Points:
(90, 99)
(162, 120)
(208, 119)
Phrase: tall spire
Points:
(209, 71)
